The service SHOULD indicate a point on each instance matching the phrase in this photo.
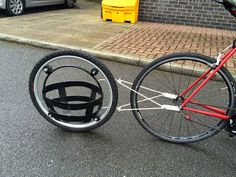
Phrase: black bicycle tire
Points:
(89, 58)
(226, 75)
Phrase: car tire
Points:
(69, 3)
(15, 7)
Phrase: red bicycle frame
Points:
(215, 112)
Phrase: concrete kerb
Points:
(56, 46)
(97, 54)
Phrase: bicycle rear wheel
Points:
(73, 90)
(172, 74)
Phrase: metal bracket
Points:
(218, 56)
(218, 59)
(158, 106)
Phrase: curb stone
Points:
(101, 55)
(55, 46)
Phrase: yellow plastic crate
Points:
(120, 10)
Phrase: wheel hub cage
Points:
(91, 104)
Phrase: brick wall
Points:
(205, 13)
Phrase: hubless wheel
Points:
(73, 90)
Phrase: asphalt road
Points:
(30, 146)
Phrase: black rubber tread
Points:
(139, 79)
(90, 58)
(10, 13)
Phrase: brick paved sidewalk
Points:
(152, 40)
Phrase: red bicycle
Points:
(181, 98)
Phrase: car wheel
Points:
(14, 7)
(69, 3)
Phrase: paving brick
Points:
(151, 40)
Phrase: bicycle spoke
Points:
(195, 127)
(172, 75)
(163, 73)
(187, 127)
(180, 126)
(180, 77)
(170, 123)
(190, 77)
(163, 83)
(164, 121)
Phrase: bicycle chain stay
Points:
(220, 130)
